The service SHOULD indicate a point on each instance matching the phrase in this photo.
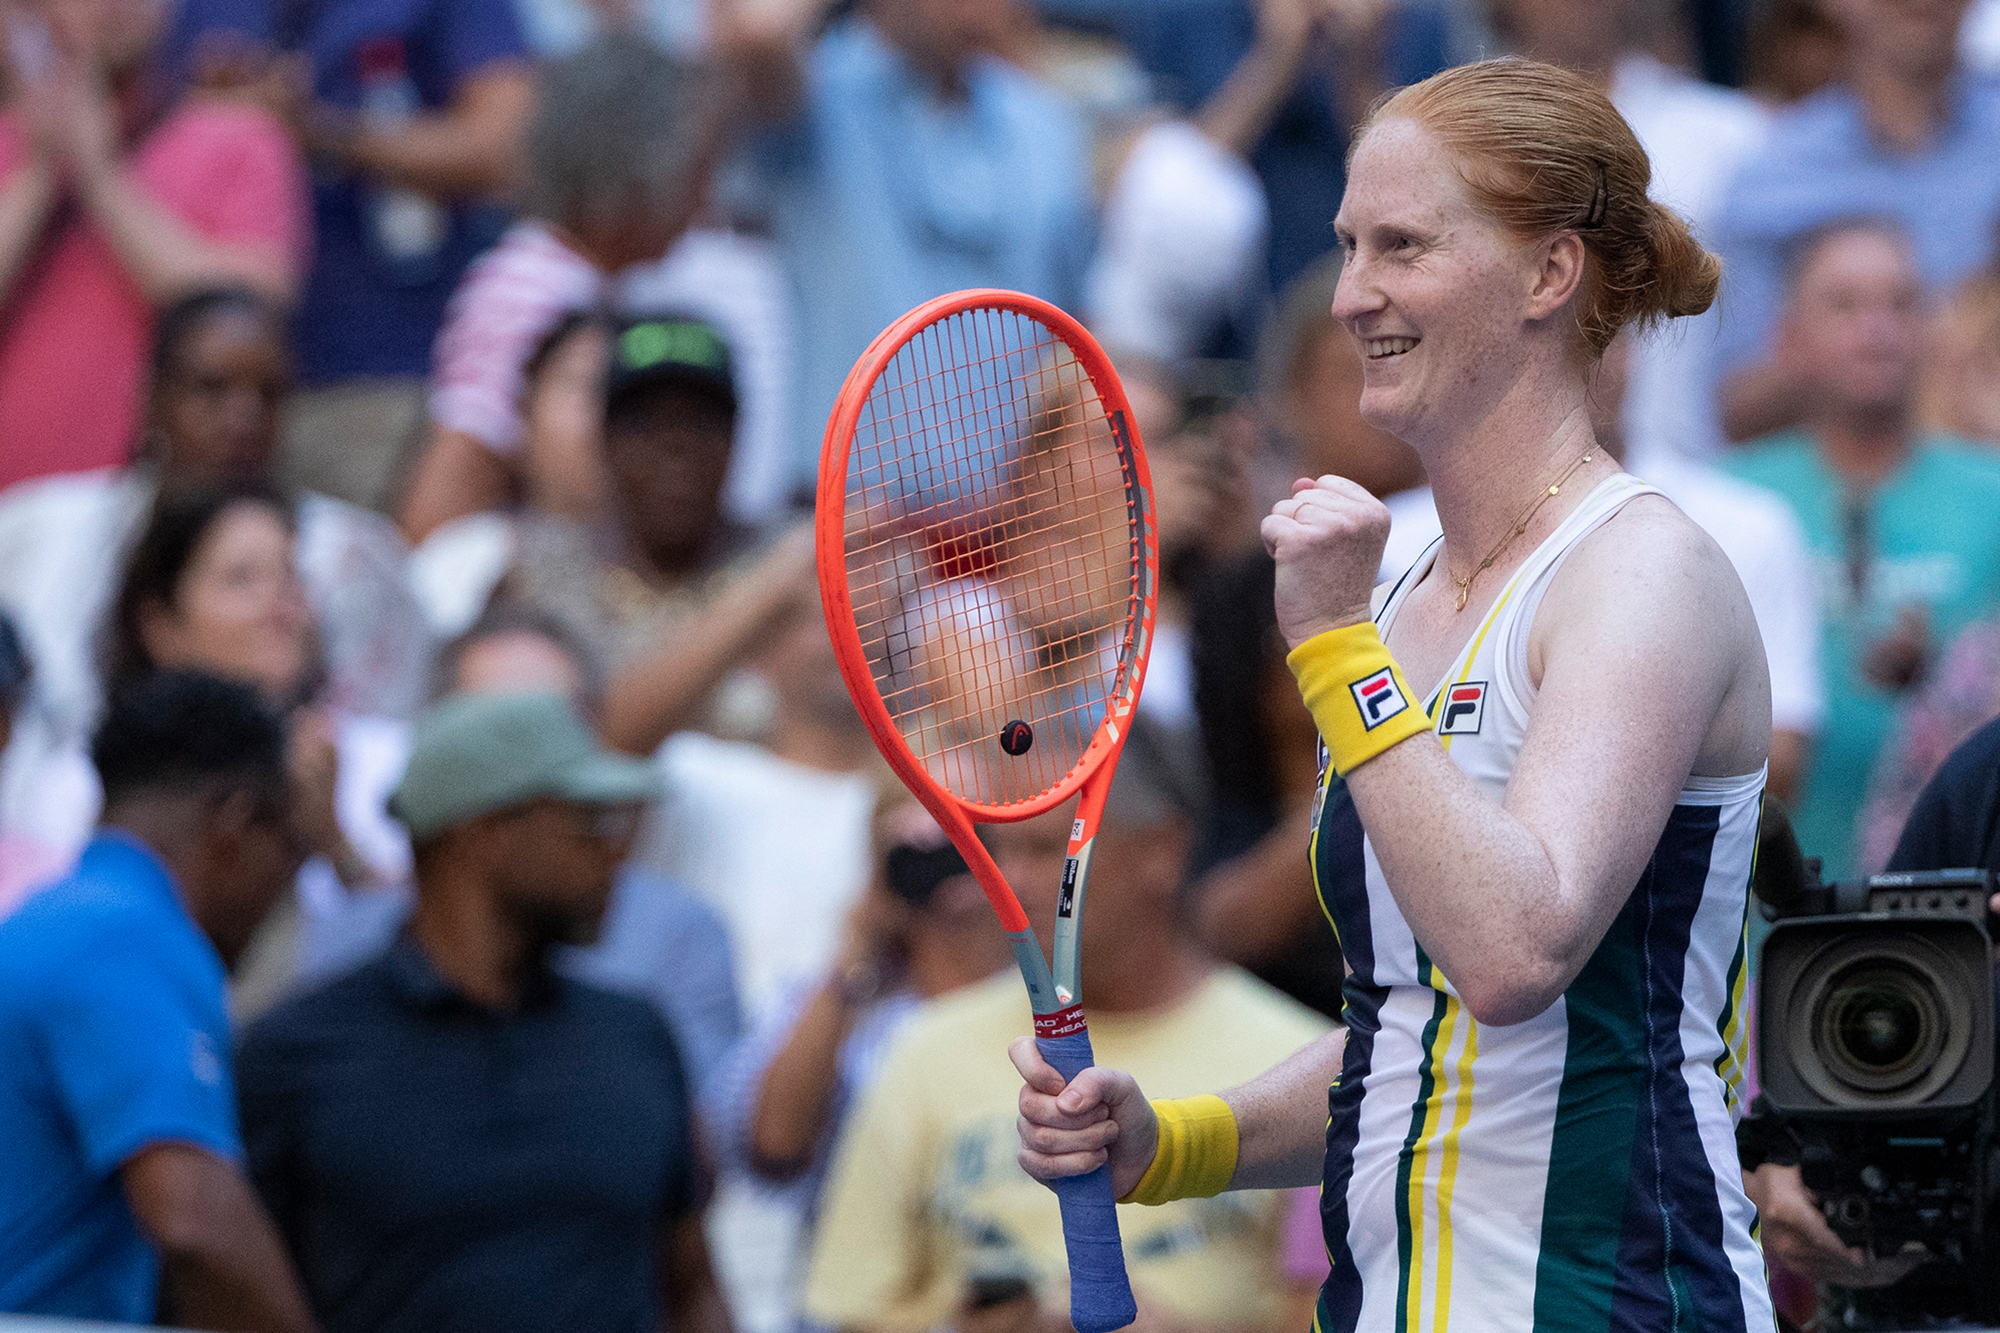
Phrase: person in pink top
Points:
(115, 198)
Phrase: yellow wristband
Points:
(1356, 694)
(1197, 1153)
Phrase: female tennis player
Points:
(1538, 858)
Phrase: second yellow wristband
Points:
(1356, 694)
(1197, 1152)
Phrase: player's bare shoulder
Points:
(1651, 570)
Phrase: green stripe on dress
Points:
(1597, 1113)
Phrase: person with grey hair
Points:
(618, 154)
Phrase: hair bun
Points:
(1685, 276)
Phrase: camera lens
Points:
(1879, 1026)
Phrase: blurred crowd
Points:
(409, 415)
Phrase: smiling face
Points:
(1447, 307)
(238, 610)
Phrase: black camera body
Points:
(1876, 1037)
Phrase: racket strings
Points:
(992, 564)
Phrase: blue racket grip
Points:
(1100, 1295)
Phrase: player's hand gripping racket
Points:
(987, 562)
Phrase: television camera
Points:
(1875, 1038)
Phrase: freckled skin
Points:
(1423, 262)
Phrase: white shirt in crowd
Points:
(1696, 134)
(1754, 528)
(63, 543)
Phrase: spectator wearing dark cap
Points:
(617, 154)
(456, 1135)
(121, 1187)
(643, 559)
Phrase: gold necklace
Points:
(1464, 585)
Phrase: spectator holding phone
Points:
(117, 198)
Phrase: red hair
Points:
(1543, 152)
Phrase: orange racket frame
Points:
(1100, 1297)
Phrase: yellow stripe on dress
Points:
(1462, 1092)
(1420, 1167)
(1448, 1169)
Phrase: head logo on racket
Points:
(1017, 738)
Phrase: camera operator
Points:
(1955, 824)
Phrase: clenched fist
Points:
(1327, 540)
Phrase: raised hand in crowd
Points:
(797, 1100)
(664, 689)
(466, 149)
(564, 470)
(81, 87)
(1287, 30)
(313, 757)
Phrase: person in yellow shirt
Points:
(929, 1220)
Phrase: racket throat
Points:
(1068, 971)
(1034, 967)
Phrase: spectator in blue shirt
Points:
(412, 111)
(904, 160)
(121, 1181)
(456, 1135)
(1905, 134)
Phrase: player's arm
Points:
(221, 1263)
(664, 688)
(1644, 643)
(1104, 1116)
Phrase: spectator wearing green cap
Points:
(641, 556)
(457, 1132)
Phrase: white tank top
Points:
(1577, 1171)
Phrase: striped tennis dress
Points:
(1577, 1171)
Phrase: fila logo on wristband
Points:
(1378, 698)
(1464, 709)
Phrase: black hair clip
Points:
(1598, 200)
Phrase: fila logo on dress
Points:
(1378, 697)
(1464, 709)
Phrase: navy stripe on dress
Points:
(1340, 873)
(1340, 1295)
(1673, 1269)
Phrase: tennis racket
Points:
(987, 564)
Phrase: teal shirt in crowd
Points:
(1928, 535)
